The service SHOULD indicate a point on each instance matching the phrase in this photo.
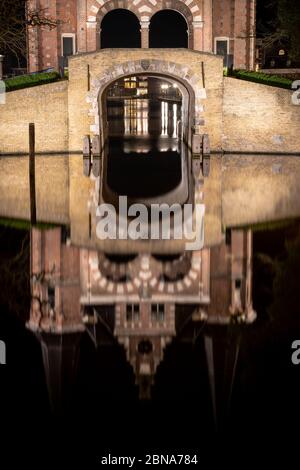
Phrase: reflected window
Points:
(145, 347)
(51, 297)
(132, 312)
(158, 312)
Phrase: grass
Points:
(259, 77)
(26, 81)
(20, 224)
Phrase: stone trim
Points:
(179, 72)
(143, 9)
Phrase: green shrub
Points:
(26, 81)
(259, 77)
(20, 224)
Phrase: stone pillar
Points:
(33, 59)
(98, 37)
(252, 42)
(197, 36)
(240, 34)
(145, 34)
(81, 25)
(91, 35)
(207, 30)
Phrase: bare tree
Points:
(278, 25)
(16, 16)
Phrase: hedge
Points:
(20, 224)
(26, 81)
(259, 77)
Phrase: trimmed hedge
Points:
(259, 77)
(20, 224)
(26, 81)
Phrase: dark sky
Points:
(266, 16)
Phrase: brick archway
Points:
(179, 6)
(144, 10)
(187, 80)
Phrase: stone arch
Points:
(190, 10)
(146, 269)
(176, 5)
(144, 10)
(159, 34)
(190, 84)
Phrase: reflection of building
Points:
(143, 291)
(55, 281)
(225, 28)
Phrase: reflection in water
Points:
(158, 306)
(73, 286)
(136, 117)
(149, 160)
(143, 117)
(164, 118)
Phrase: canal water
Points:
(256, 386)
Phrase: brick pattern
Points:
(144, 279)
(54, 265)
(206, 19)
(47, 107)
(259, 118)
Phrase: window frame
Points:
(222, 38)
(68, 35)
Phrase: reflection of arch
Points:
(120, 28)
(168, 28)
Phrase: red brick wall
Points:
(207, 19)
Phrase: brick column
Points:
(81, 25)
(145, 34)
(240, 33)
(252, 25)
(207, 30)
(197, 36)
(33, 64)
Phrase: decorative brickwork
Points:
(207, 21)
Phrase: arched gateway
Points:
(199, 77)
(188, 83)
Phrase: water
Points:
(144, 155)
(144, 370)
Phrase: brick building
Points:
(225, 27)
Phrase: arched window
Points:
(168, 28)
(120, 28)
